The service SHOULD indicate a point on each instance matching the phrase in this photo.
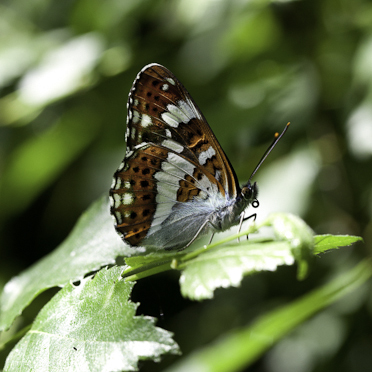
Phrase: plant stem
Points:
(162, 265)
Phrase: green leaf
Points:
(206, 270)
(326, 242)
(92, 244)
(239, 349)
(293, 229)
(215, 266)
(226, 266)
(90, 327)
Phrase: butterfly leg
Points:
(243, 219)
(254, 216)
(240, 224)
(210, 240)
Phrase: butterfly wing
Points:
(174, 173)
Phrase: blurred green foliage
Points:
(66, 68)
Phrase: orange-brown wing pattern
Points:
(175, 173)
(160, 109)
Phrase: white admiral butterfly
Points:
(175, 183)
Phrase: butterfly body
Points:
(196, 218)
(175, 183)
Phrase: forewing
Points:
(160, 110)
(172, 167)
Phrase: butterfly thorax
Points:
(229, 214)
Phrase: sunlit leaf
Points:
(90, 327)
(92, 244)
(298, 234)
(226, 266)
(326, 242)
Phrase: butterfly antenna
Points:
(277, 137)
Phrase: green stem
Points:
(149, 271)
(177, 262)
(197, 252)
(130, 272)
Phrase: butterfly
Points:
(175, 183)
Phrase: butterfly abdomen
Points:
(213, 213)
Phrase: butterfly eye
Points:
(247, 192)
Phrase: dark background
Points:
(66, 68)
